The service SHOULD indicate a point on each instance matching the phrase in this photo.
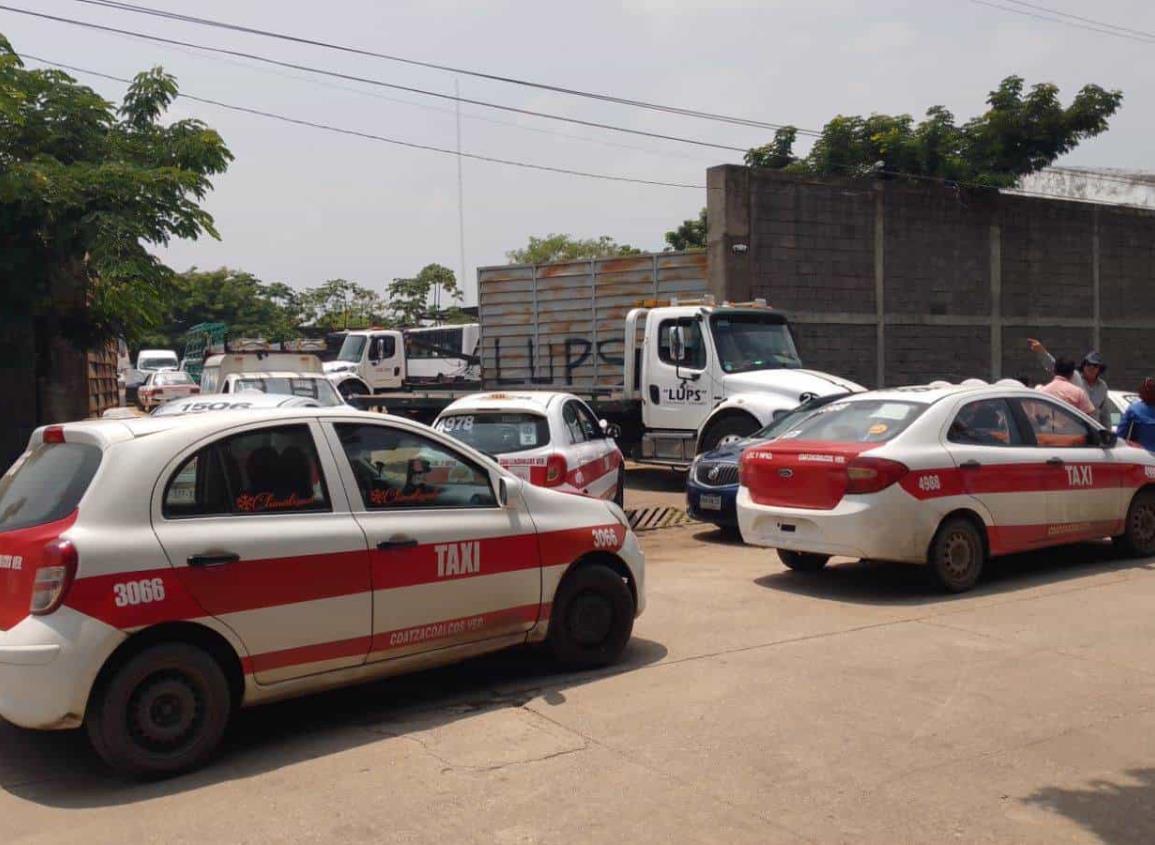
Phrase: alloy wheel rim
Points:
(960, 554)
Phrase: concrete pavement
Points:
(756, 705)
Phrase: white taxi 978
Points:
(157, 573)
(549, 439)
(946, 475)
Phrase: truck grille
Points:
(715, 474)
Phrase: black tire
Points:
(1138, 537)
(803, 561)
(349, 389)
(161, 713)
(620, 493)
(735, 427)
(592, 618)
(957, 554)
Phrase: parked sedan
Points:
(946, 475)
(712, 483)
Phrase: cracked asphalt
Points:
(755, 704)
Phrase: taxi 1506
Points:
(605, 538)
(145, 591)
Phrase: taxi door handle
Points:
(399, 542)
(1054, 462)
(969, 465)
(216, 559)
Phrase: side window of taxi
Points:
(396, 469)
(266, 471)
(571, 416)
(588, 422)
(988, 422)
(1054, 426)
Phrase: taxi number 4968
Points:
(132, 593)
(927, 483)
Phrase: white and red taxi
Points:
(947, 475)
(164, 386)
(548, 439)
(157, 573)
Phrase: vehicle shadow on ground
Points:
(59, 769)
(884, 583)
(655, 479)
(1117, 813)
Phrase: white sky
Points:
(300, 205)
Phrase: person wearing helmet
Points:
(1138, 422)
(1088, 376)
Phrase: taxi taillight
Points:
(869, 475)
(53, 577)
(54, 434)
(555, 470)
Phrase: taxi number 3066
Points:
(605, 538)
(138, 592)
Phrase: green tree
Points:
(340, 304)
(248, 306)
(85, 189)
(558, 247)
(1017, 134)
(409, 297)
(690, 235)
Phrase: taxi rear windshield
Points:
(497, 433)
(864, 421)
(46, 484)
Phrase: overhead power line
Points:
(369, 80)
(557, 89)
(1044, 13)
(312, 124)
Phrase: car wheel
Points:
(620, 493)
(1138, 538)
(592, 618)
(802, 561)
(728, 430)
(957, 554)
(162, 713)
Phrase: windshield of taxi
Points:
(864, 421)
(749, 341)
(497, 432)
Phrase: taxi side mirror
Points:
(1107, 438)
(609, 429)
(503, 492)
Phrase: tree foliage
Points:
(85, 189)
(1017, 134)
(558, 247)
(409, 298)
(339, 304)
(690, 235)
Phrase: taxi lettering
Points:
(13, 562)
(458, 559)
(1080, 476)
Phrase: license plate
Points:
(710, 503)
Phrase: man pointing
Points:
(1088, 376)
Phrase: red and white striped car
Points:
(948, 475)
(156, 573)
(165, 386)
(549, 439)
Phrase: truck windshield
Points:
(311, 388)
(352, 348)
(753, 342)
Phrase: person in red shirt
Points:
(1062, 387)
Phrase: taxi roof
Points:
(936, 390)
(534, 401)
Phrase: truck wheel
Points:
(957, 554)
(728, 430)
(802, 561)
(1138, 537)
(351, 388)
(592, 618)
(162, 713)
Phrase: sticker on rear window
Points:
(896, 411)
(451, 424)
(878, 428)
(527, 434)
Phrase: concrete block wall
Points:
(890, 283)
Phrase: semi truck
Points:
(378, 361)
(638, 338)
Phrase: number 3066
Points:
(139, 592)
